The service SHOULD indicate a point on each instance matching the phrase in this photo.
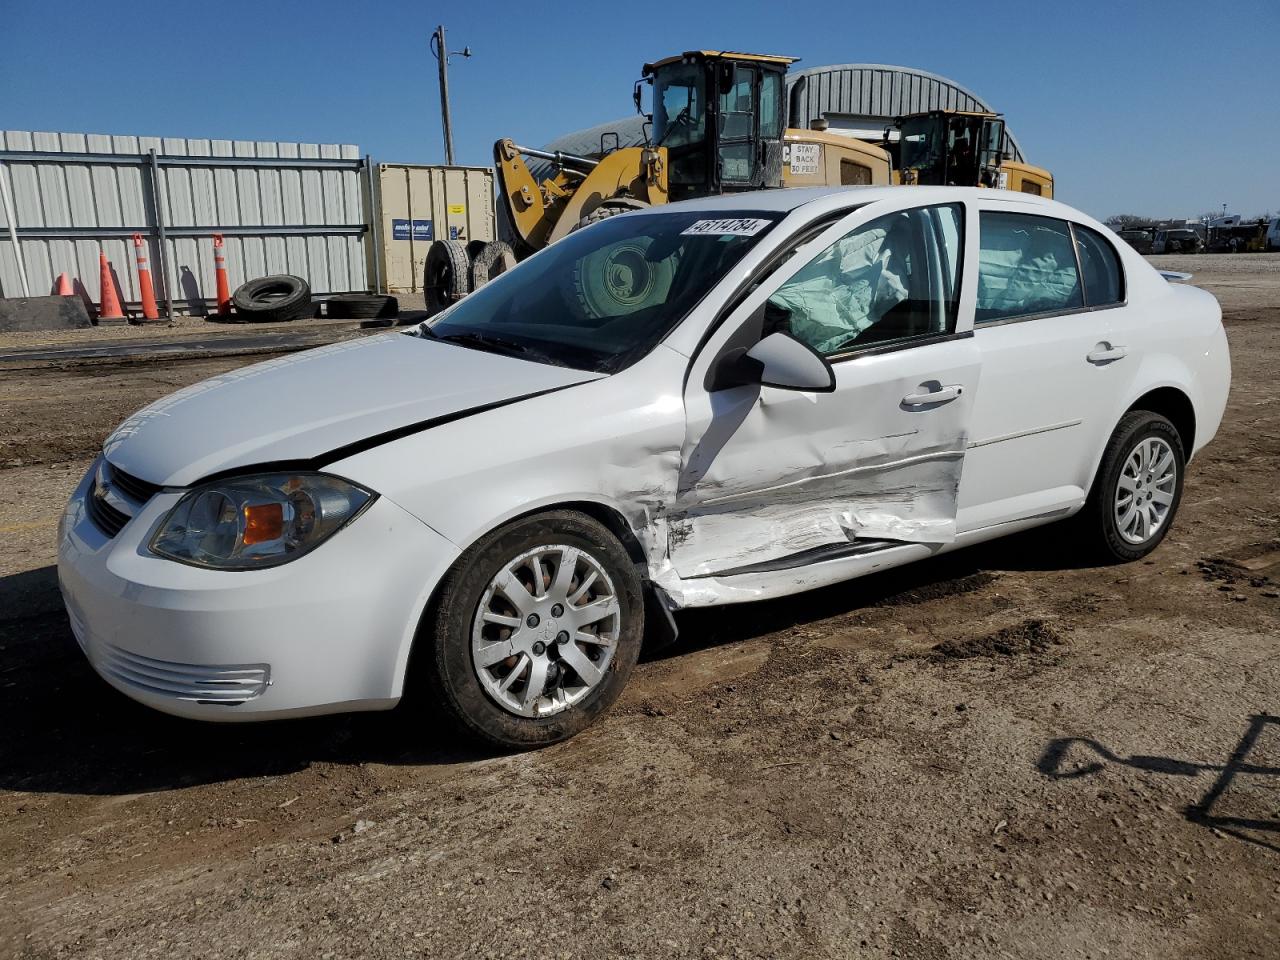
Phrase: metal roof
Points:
(874, 91)
(738, 55)
(881, 91)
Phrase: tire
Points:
(273, 299)
(610, 208)
(362, 306)
(490, 262)
(447, 275)
(1098, 524)
(451, 675)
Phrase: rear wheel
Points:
(447, 275)
(535, 631)
(1137, 490)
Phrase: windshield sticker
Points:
(736, 227)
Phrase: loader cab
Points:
(949, 147)
(721, 118)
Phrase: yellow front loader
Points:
(717, 125)
(960, 148)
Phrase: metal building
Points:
(859, 99)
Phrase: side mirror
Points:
(779, 360)
(638, 97)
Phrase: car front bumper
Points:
(329, 632)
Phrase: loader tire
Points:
(273, 299)
(610, 208)
(490, 262)
(447, 276)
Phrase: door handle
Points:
(941, 395)
(1106, 352)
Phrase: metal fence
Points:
(297, 208)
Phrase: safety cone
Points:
(110, 302)
(64, 286)
(220, 274)
(147, 291)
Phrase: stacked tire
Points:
(273, 299)
(363, 306)
(446, 278)
(454, 269)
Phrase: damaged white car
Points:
(712, 402)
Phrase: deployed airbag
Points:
(842, 293)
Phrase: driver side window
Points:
(894, 279)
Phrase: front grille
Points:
(227, 684)
(137, 490)
(113, 489)
(104, 516)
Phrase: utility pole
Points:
(442, 55)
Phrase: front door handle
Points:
(1106, 352)
(941, 395)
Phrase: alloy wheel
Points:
(545, 630)
(1145, 490)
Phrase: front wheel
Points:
(535, 631)
(1138, 488)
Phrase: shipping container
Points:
(419, 205)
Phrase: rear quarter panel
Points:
(1174, 336)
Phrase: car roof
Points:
(787, 199)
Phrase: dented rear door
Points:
(783, 477)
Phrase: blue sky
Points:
(1167, 108)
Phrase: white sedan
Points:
(711, 402)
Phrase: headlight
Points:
(250, 522)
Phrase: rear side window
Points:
(1026, 266)
(1103, 278)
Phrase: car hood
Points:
(309, 407)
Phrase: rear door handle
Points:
(1106, 352)
(941, 395)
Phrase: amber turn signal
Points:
(263, 522)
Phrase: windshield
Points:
(602, 297)
(679, 110)
(919, 145)
(680, 122)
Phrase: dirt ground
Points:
(1000, 753)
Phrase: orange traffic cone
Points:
(64, 286)
(145, 288)
(110, 302)
(220, 274)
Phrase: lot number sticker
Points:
(805, 159)
(736, 227)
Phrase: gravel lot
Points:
(997, 754)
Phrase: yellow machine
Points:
(961, 148)
(717, 126)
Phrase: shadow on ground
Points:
(68, 731)
(1213, 808)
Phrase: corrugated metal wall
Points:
(283, 207)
